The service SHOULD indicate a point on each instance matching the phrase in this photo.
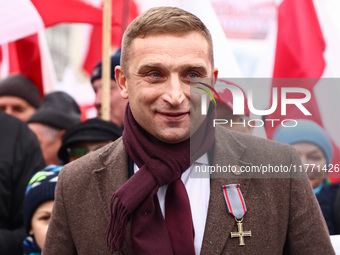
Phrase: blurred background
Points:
(68, 44)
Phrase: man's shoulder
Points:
(18, 140)
(12, 125)
(254, 143)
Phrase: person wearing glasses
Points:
(86, 137)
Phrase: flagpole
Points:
(106, 63)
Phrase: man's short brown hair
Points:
(163, 20)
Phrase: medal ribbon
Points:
(234, 200)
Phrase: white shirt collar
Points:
(204, 160)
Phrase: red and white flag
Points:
(300, 49)
(39, 14)
(19, 40)
(124, 12)
(299, 54)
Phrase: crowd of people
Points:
(126, 185)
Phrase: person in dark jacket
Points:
(20, 158)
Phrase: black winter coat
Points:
(20, 158)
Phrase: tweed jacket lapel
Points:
(109, 177)
(228, 151)
(219, 224)
(112, 174)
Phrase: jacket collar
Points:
(219, 224)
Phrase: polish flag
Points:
(300, 53)
(124, 12)
(39, 14)
(19, 38)
(29, 56)
(24, 55)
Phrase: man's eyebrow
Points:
(150, 66)
(199, 68)
(182, 68)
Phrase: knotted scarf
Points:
(159, 164)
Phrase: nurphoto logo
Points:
(286, 98)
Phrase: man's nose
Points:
(8, 110)
(98, 99)
(175, 91)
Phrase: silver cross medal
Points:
(240, 234)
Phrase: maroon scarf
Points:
(159, 164)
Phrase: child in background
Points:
(38, 204)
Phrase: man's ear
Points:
(31, 232)
(61, 134)
(121, 82)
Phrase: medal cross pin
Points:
(240, 234)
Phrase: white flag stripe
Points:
(327, 91)
(49, 76)
(4, 64)
(224, 57)
(18, 18)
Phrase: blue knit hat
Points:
(40, 189)
(306, 131)
(97, 70)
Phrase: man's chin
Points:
(173, 136)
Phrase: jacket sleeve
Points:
(59, 239)
(307, 230)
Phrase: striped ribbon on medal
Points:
(234, 200)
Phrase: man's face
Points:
(117, 103)
(157, 82)
(50, 141)
(16, 107)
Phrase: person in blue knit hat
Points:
(38, 204)
(315, 150)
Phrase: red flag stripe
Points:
(53, 12)
(25, 58)
(124, 14)
(300, 43)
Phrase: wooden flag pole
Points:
(106, 63)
